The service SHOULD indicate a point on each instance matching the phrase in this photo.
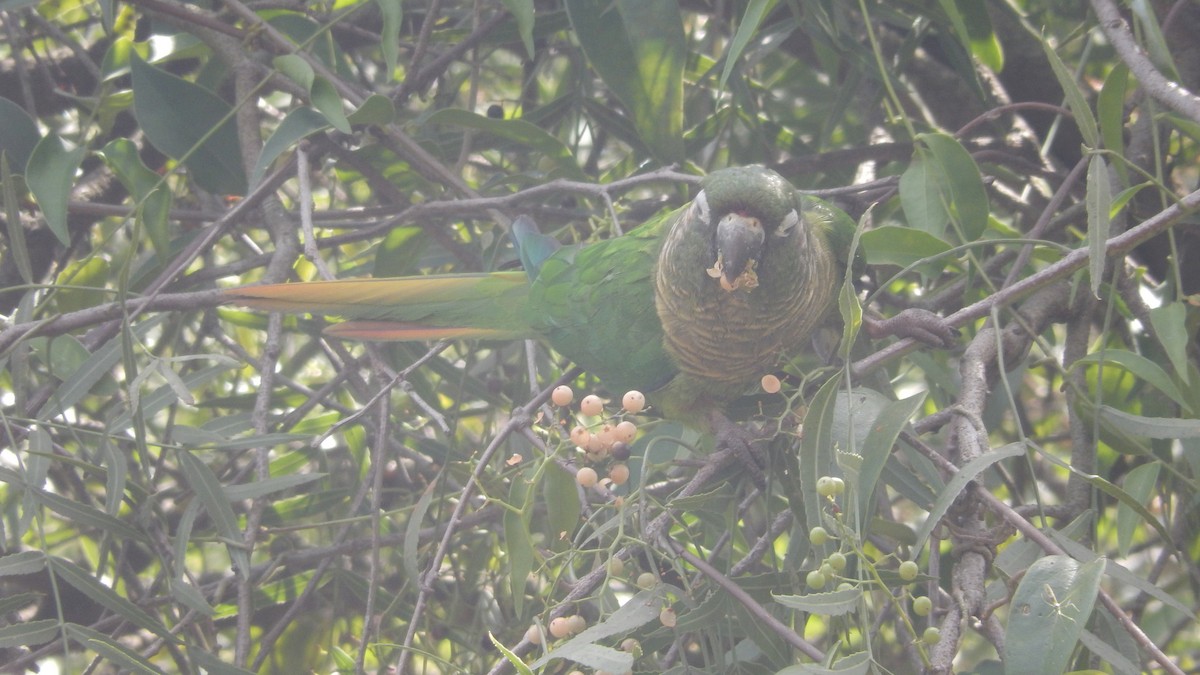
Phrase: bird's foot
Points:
(919, 324)
(745, 443)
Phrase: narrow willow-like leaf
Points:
(12, 212)
(878, 446)
(28, 634)
(515, 661)
(412, 531)
(834, 603)
(392, 12)
(1171, 327)
(635, 613)
(90, 586)
(1139, 484)
(24, 562)
(1141, 367)
(1151, 427)
(518, 544)
(1099, 203)
(959, 482)
(747, 27)
(1076, 101)
(211, 493)
(81, 381)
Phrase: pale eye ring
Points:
(700, 203)
(789, 223)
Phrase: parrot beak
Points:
(739, 245)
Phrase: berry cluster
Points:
(605, 440)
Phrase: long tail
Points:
(487, 306)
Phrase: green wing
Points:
(595, 305)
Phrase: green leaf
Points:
(190, 124)
(562, 503)
(81, 381)
(154, 217)
(518, 544)
(389, 34)
(747, 27)
(638, 611)
(1099, 203)
(835, 603)
(296, 69)
(328, 101)
(376, 110)
(962, 191)
(1150, 427)
(959, 482)
(121, 155)
(1048, 611)
(299, 123)
(515, 661)
(209, 491)
(28, 634)
(18, 135)
(981, 38)
(1110, 109)
(17, 247)
(107, 597)
(86, 516)
(24, 562)
(921, 194)
(412, 531)
(1139, 485)
(1140, 367)
(816, 447)
(120, 655)
(878, 446)
(1170, 326)
(638, 48)
(1076, 101)
(50, 175)
(523, 12)
(905, 246)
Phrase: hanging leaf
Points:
(191, 124)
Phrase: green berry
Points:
(922, 606)
(908, 570)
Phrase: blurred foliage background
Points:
(189, 487)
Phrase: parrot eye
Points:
(789, 223)
(700, 203)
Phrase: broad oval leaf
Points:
(1049, 609)
(50, 174)
(191, 124)
(18, 134)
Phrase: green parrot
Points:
(693, 307)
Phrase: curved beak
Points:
(739, 246)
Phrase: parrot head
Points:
(744, 213)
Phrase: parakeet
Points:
(696, 304)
